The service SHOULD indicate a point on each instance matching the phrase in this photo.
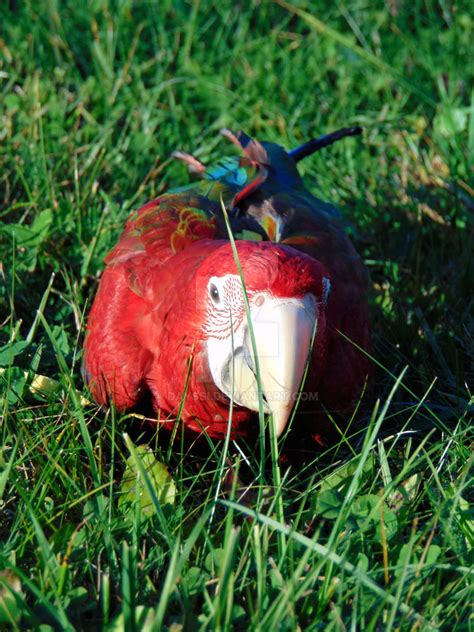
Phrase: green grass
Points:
(372, 534)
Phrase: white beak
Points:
(283, 330)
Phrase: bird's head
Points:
(286, 292)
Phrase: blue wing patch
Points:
(228, 170)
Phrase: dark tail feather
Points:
(316, 144)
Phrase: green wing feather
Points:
(166, 225)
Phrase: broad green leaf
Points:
(41, 224)
(61, 339)
(450, 121)
(9, 351)
(406, 558)
(214, 560)
(366, 507)
(369, 511)
(195, 579)
(133, 487)
(328, 504)
(16, 378)
(340, 477)
(433, 554)
(28, 238)
(363, 562)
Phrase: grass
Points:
(99, 531)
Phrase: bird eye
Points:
(214, 292)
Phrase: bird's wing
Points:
(165, 226)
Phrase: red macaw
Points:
(170, 316)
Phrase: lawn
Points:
(104, 523)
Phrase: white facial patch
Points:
(223, 326)
(283, 329)
(225, 305)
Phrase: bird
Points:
(236, 296)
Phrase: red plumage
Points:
(169, 317)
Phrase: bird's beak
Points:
(283, 331)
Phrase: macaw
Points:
(201, 323)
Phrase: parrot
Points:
(234, 296)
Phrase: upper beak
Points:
(283, 330)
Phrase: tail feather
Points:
(251, 148)
(315, 144)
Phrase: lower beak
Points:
(283, 330)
